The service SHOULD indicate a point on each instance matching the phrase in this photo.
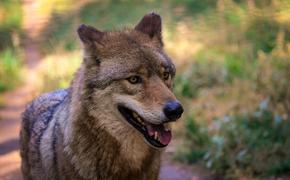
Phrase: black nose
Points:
(173, 110)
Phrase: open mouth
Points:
(156, 134)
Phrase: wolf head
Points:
(128, 81)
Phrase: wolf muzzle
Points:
(172, 110)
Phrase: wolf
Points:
(113, 122)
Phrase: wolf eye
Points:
(134, 79)
(165, 75)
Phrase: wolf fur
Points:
(78, 133)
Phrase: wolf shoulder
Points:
(44, 106)
(38, 128)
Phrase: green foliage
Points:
(10, 69)
(238, 66)
(273, 80)
(256, 143)
(10, 24)
(280, 168)
(196, 132)
(109, 14)
(104, 15)
(59, 35)
(208, 72)
(234, 14)
(201, 74)
(196, 6)
(234, 66)
(196, 135)
(10, 21)
(60, 77)
(262, 34)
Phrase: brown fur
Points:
(78, 133)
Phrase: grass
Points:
(10, 56)
(10, 22)
(201, 74)
(224, 129)
(64, 66)
(273, 80)
(10, 70)
(252, 144)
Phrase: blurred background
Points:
(233, 77)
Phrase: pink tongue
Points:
(164, 136)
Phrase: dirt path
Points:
(15, 101)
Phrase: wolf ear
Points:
(89, 34)
(150, 24)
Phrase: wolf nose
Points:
(173, 110)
